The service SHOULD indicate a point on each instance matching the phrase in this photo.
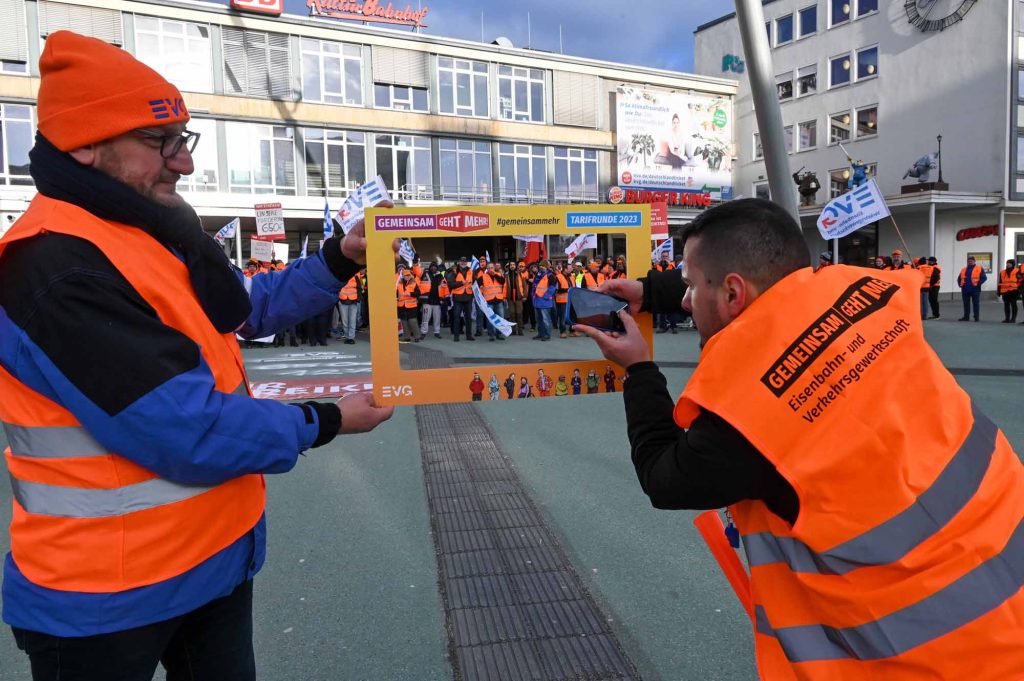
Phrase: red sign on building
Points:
(273, 7)
(368, 10)
(463, 221)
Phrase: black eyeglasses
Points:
(170, 145)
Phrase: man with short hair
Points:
(1009, 291)
(460, 284)
(970, 281)
(544, 286)
(433, 288)
(871, 556)
(137, 452)
(933, 290)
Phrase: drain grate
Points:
(514, 606)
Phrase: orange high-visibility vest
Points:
(350, 291)
(591, 282)
(85, 519)
(465, 283)
(489, 287)
(905, 559)
(926, 276)
(1008, 280)
(542, 286)
(442, 290)
(562, 283)
(975, 276)
(407, 294)
(425, 285)
(501, 295)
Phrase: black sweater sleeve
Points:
(710, 465)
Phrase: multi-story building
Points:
(883, 81)
(296, 109)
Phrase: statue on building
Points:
(807, 186)
(922, 167)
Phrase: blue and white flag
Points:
(368, 195)
(664, 247)
(503, 325)
(228, 231)
(406, 252)
(851, 211)
(328, 222)
(305, 244)
(474, 264)
(487, 254)
(582, 243)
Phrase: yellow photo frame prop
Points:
(393, 385)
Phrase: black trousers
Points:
(461, 310)
(933, 300)
(211, 643)
(1010, 305)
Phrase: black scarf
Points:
(58, 176)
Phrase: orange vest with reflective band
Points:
(85, 519)
(465, 283)
(1008, 280)
(350, 291)
(542, 285)
(425, 285)
(926, 275)
(407, 294)
(489, 287)
(975, 275)
(562, 283)
(906, 558)
(591, 282)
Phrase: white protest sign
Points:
(581, 243)
(261, 250)
(270, 220)
(280, 252)
(530, 238)
(851, 211)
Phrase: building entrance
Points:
(860, 248)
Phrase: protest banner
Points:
(261, 250)
(269, 220)
(855, 209)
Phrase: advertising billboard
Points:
(674, 141)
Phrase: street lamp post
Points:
(939, 138)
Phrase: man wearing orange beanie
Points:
(137, 475)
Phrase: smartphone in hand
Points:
(598, 310)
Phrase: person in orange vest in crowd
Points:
(276, 265)
(348, 303)
(620, 269)
(544, 383)
(476, 387)
(592, 278)
(491, 283)
(136, 452)
(544, 286)
(824, 260)
(408, 291)
(664, 264)
(869, 557)
(970, 281)
(460, 283)
(1009, 290)
(433, 288)
(252, 268)
(926, 284)
(500, 302)
(561, 297)
(936, 283)
(896, 262)
(517, 292)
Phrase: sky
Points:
(652, 33)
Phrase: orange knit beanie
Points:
(91, 91)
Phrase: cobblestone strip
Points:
(515, 608)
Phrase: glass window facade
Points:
(403, 161)
(758, 149)
(576, 175)
(465, 170)
(866, 7)
(839, 127)
(332, 73)
(400, 97)
(521, 94)
(15, 142)
(178, 50)
(840, 11)
(808, 133)
(807, 80)
(784, 30)
(808, 21)
(867, 63)
(206, 177)
(335, 161)
(462, 86)
(784, 86)
(522, 173)
(787, 134)
(261, 158)
(761, 191)
(839, 70)
(837, 180)
(867, 121)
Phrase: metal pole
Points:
(750, 17)
(238, 246)
(931, 228)
(939, 138)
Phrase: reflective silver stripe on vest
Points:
(980, 591)
(79, 502)
(893, 539)
(52, 442)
